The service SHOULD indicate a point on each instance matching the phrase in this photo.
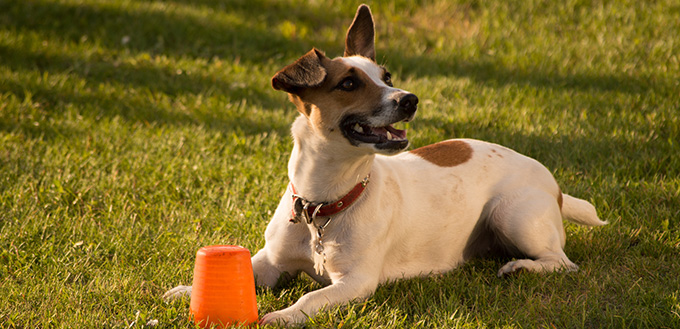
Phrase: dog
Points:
(359, 211)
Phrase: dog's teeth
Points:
(389, 136)
(358, 128)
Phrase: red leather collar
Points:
(325, 209)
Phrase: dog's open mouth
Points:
(386, 138)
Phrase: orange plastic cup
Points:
(223, 291)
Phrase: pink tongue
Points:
(382, 131)
(397, 133)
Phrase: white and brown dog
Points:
(357, 214)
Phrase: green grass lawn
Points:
(134, 132)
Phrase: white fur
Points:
(368, 66)
(414, 219)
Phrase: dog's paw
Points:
(539, 266)
(275, 318)
(177, 293)
(511, 267)
(283, 317)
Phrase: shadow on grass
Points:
(232, 29)
(235, 32)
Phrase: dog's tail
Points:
(580, 211)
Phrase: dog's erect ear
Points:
(360, 36)
(306, 72)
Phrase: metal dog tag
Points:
(319, 261)
(319, 255)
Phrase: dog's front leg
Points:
(350, 287)
(268, 273)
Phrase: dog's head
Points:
(351, 98)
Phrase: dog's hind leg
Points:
(530, 223)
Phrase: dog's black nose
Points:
(408, 103)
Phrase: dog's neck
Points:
(321, 173)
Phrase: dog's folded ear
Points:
(306, 72)
(360, 38)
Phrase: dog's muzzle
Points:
(377, 130)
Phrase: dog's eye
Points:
(388, 79)
(347, 84)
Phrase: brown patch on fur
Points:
(329, 105)
(306, 72)
(560, 199)
(445, 154)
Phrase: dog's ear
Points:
(306, 72)
(360, 38)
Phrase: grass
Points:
(134, 132)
